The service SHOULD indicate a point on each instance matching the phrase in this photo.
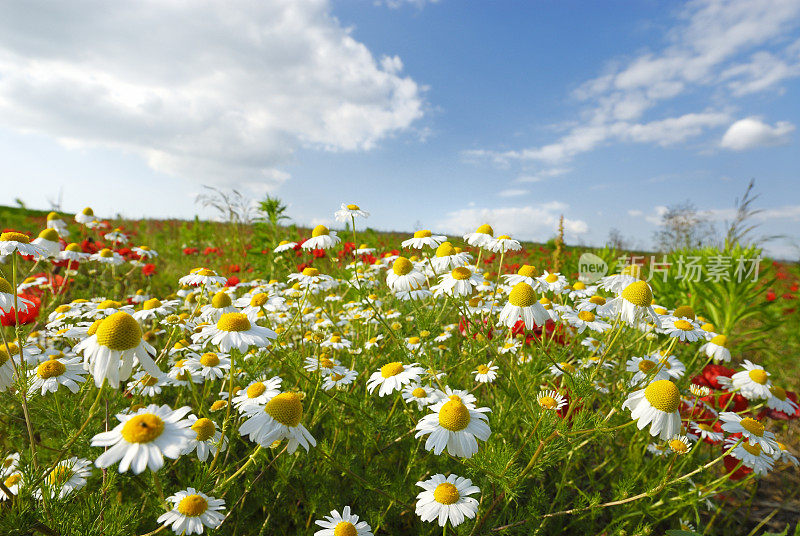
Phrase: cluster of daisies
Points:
(210, 340)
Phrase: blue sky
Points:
(439, 115)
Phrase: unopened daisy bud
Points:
(218, 405)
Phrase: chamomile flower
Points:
(9, 464)
(460, 282)
(404, 277)
(202, 277)
(50, 374)
(112, 346)
(153, 308)
(422, 395)
(526, 274)
(751, 456)
(221, 303)
(234, 330)
(707, 432)
(482, 236)
(210, 365)
(551, 282)
(7, 298)
(12, 241)
(257, 394)
(146, 385)
(54, 221)
(321, 238)
(783, 455)
(66, 477)
(581, 320)
(393, 376)
(522, 305)
(279, 419)
(502, 244)
(423, 239)
(116, 236)
(780, 402)
(753, 382)
(311, 278)
(486, 373)
(455, 426)
(107, 256)
(284, 245)
(680, 445)
(753, 431)
(551, 400)
(337, 342)
(12, 482)
(447, 499)
(633, 305)
(144, 252)
(339, 378)
(192, 512)
(656, 405)
(72, 253)
(717, 349)
(682, 329)
(322, 364)
(85, 216)
(48, 241)
(142, 439)
(348, 212)
(344, 524)
(595, 303)
(207, 438)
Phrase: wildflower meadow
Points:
(179, 377)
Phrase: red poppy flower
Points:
(708, 376)
(771, 296)
(190, 251)
(232, 281)
(148, 269)
(25, 317)
(730, 463)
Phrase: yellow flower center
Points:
(13, 480)
(326, 363)
(59, 475)
(12, 236)
(504, 237)
(755, 450)
(255, 390)
(345, 528)
(454, 415)
(50, 369)
(259, 299)
(638, 293)
(422, 234)
(233, 322)
(148, 380)
(402, 266)
(778, 392)
(586, 316)
(645, 365)
(286, 408)
(50, 235)
(527, 271)
(221, 300)
(758, 375)
(88, 211)
(461, 273)
(218, 405)
(209, 359)
(720, 340)
(310, 272)
(419, 392)
(551, 278)
(319, 230)
(108, 304)
(568, 367)
(522, 295)
(119, 331)
(485, 229)
(106, 253)
(663, 395)
(446, 493)
(547, 402)
(392, 369)
(753, 426)
(205, 428)
(684, 311)
(446, 249)
(598, 300)
(353, 207)
(683, 325)
(678, 446)
(152, 303)
(579, 285)
(483, 369)
(413, 340)
(143, 428)
(73, 247)
(192, 506)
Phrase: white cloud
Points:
(635, 213)
(210, 90)
(396, 4)
(544, 174)
(532, 222)
(512, 192)
(751, 132)
(716, 43)
(655, 217)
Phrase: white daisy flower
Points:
(551, 400)
(502, 244)
(210, 365)
(522, 305)
(337, 342)
(13, 482)
(234, 330)
(192, 512)
(48, 241)
(207, 438)
(344, 524)
(551, 282)
(322, 364)
(753, 382)
(146, 385)
(107, 256)
(66, 477)
(144, 252)
(717, 349)
(423, 239)
(257, 394)
(682, 329)
(680, 444)
(753, 431)
(50, 374)
(339, 377)
(110, 350)
(85, 216)
(780, 402)
(284, 245)
(447, 499)
(482, 236)
(785, 456)
(279, 419)
(526, 274)
(656, 405)
(321, 238)
(422, 395)
(403, 276)
(116, 236)
(7, 298)
(199, 277)
(153, 308)
(460, 282)
(486, 373)
(143, 438)
(393, 376)
(706, 432)
(586, 319)
(11, 241)
(455, 426)
(633, 305)
(751, 456)
(348, 212)
(73, 253)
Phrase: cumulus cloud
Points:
(533, 222)
(751, 132)
(211, 90)
(715, 43)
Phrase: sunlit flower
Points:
(192, 512)
(234, 330)
(11, 241)
(423, 239)
(503, 243)
(447, 499)
(551, 400)
(50, 374)
(753, 382)
(523, 305)
(321, 238)
(66, 477)
(393, 376)
(454, 425)
(753, 431)
(279, 419)
(207, 438)
(656, 405)
(482, 236)
(717, 349)
(486, 373)
(344, 524)
(348, 212)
